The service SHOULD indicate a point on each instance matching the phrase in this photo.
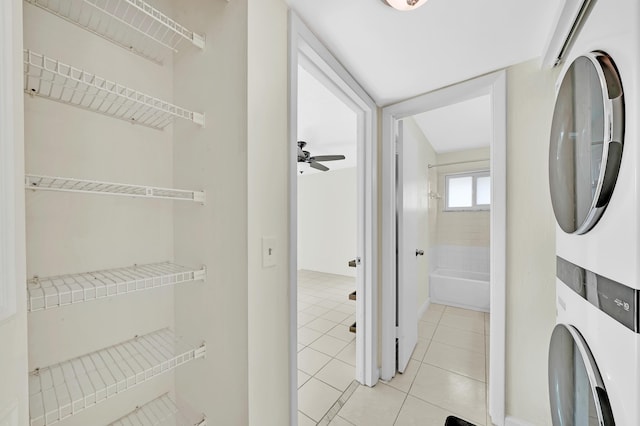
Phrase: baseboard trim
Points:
(512, 421)
(424, 308)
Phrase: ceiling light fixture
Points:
(405, 4)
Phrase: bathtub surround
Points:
(460, 259)
(461, 228)
(462, 289)
(463, 258)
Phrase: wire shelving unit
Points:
(62, 390)
(62, 290)
(62, 184)
(55, 80)
(131, 24)
(161, 411)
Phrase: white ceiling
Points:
(397, 55)
(327, 124)
(465, 125)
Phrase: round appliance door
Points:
(586, 142)
(577, 392)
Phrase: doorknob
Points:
(419, 252)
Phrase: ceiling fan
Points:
(305, 157)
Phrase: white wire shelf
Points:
(161, 411)
(52, 79)
(62, 290)
(62, 390)
(131, 24)
(53, 183)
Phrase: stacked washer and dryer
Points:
(594, 158)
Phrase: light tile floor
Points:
(326, 348)
(447, 374)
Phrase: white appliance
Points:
(612, 246)
(594, 360)
(593, 354)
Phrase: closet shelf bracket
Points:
(63, 184)
(162, 411)
(54, 292)
(134, 25)
(49, 78)
(65, 389)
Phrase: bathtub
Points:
(463, 289)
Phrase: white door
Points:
(408, 212)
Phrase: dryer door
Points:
(586, 142)
(577, 393)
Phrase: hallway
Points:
(447, 374)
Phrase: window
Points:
(468, 191)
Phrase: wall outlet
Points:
(269, 252)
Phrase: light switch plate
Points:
(269, 252)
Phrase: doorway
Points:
(327, 243)
(309, 55)
(399, 331)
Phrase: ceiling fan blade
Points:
(327, 157)
(318, 166)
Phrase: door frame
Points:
(493, 84)
(306, 50)
(10, 141)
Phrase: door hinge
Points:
(397, 331)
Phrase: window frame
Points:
(475, 207)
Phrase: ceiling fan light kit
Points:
(405, 5)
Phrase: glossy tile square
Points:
(339, 421)
(377, 406)
(306, 335)
(403, 381)
(426, 330)
(416, 412)
(432, 315)
(457, 360)
(341, 331)
(463, 322)
(451, 391)
(460, 338)
(304, 420)
(315, 398)
(335, 316)
(322, 325)
(329, 345)
(302, 378)
(311, 361)
(420, 350)
(337, 374)
(348, 354)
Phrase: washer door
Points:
(586, 142)
(577, 392)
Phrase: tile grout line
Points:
(337, 406)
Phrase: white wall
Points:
(215, 159)
(14, 408)
(327, 221)
(268, 156)
(530, 242)
(242, 311)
